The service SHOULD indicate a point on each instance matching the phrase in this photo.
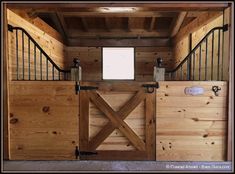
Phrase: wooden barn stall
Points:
(51, 116)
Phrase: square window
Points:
(118, 63)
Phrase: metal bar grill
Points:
(36, 61)
(190, 60)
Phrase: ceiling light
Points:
(117, 9)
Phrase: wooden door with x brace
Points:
(117, 121)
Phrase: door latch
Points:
(215, 89)
(150, 87)
(79, 88)
(83, 153)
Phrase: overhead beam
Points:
(161, 42)
(123, 14)
(38, 22)
(84, 24)
(55, 18)
(32, 14)
(177, 22)
(159, 6)
(106, 23)
(128, 24)
(197, 23)
(116, 33)
(153, 19)
(62, 22)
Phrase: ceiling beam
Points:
(161, 42)
(159, 6)
(62, 22)
(153, 19)
(121, 14)
(32, 14)
(176, 23)
(106, 23)
(116, 33)
(128, 24)
(38, 22)
(84, 24)
(197, 23)
(55, 18)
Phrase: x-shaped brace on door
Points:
(116, 120)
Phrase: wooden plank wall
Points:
(191, 128)
(43, 120)
(181, 49)
(91, 61)
(55, 49)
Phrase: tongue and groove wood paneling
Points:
(191, 128)
(43, 120)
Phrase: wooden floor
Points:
(150, 166)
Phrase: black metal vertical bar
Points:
(53, 72)
(206, 56)
(17, 57)
(212, 55)
(35, 70)
(189, 64)
(23, 53)
(181, 72)
(47, 67)
(41, 64)
(218, 54)
(193, 65)
(222, 60)
(200, 61)
(187, 68)
(29, 55)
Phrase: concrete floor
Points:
(136, 166)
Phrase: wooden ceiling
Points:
(116, 21)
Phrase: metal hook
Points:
(215, 89)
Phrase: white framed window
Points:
(118, 63)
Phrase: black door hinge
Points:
(83, 153)
(79, 88)
(150, 87)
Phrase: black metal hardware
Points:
(150, 87)
(10, 28)
(215, 89)
(218, 65)
(83, 153)
(79, 88)
(76, 62)
(159, 62)
(212, 56)
(225, 27)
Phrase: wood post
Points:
(5, 85)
